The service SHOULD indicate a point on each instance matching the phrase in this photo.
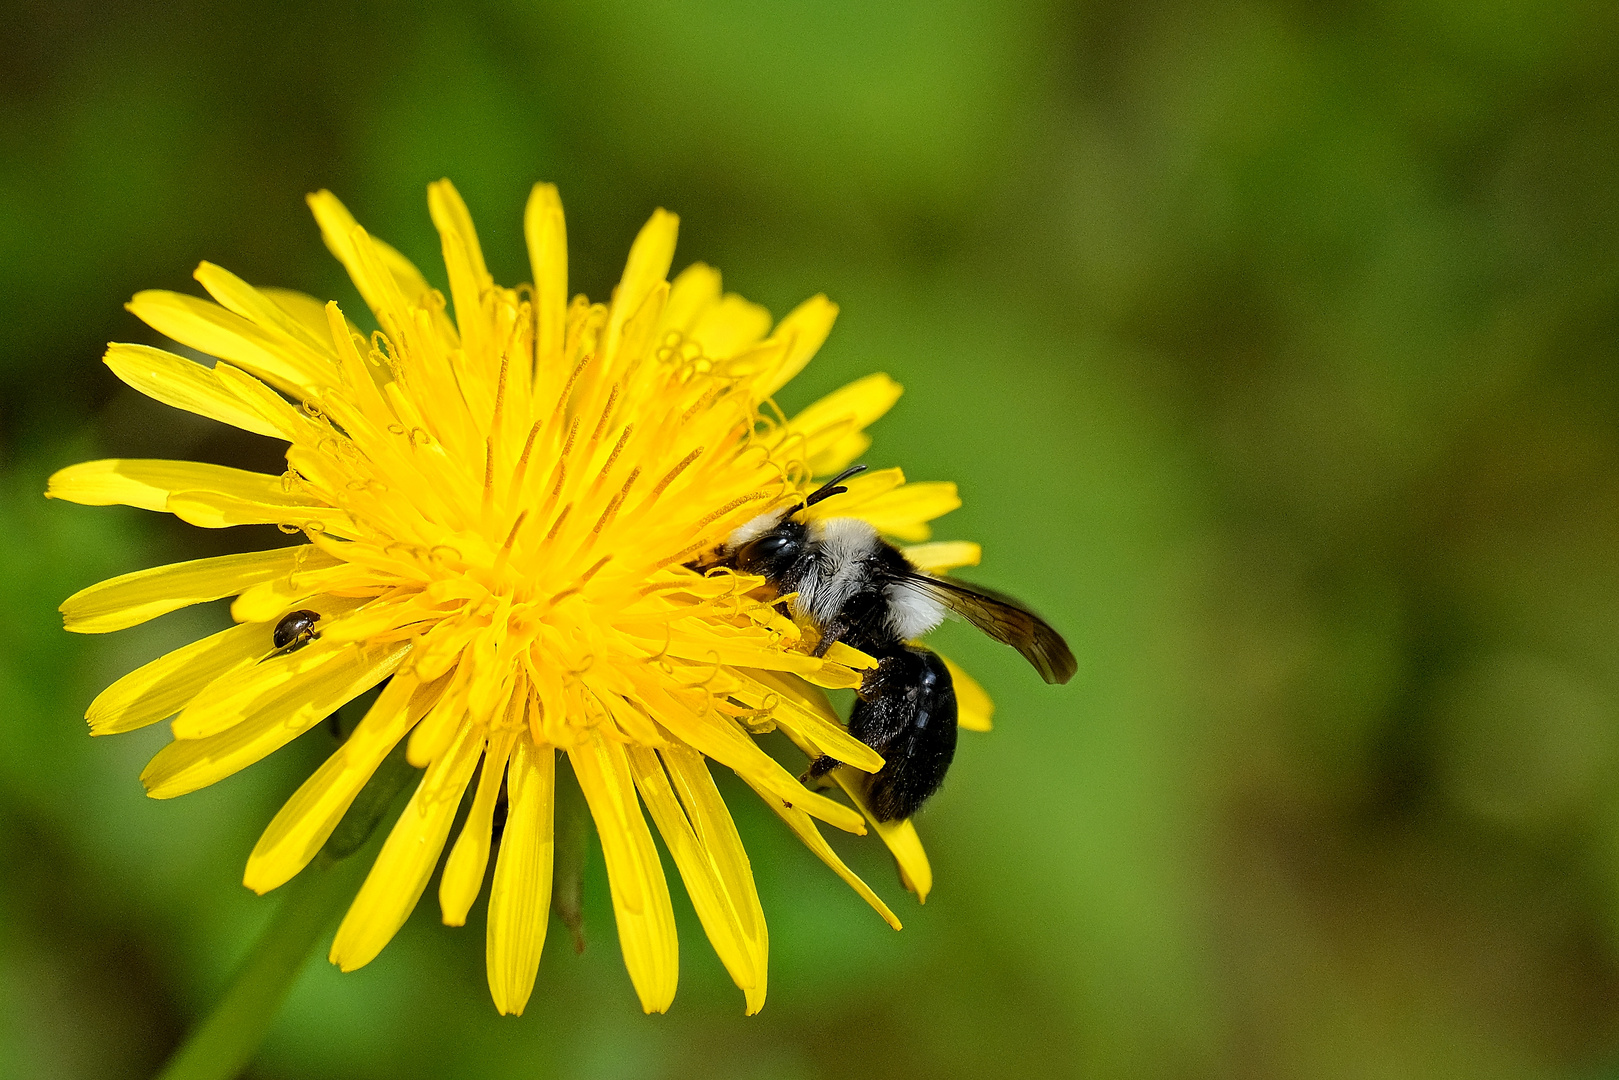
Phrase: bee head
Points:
(773, 553)
(774, 545)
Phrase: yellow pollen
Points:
(618, 500)
(670, 476)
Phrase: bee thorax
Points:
(837, 572)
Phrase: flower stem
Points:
(572, 849)
(222, 1045)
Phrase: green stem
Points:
(226, 1041)
(571, 850)
(222, 1045)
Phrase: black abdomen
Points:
(907, 713)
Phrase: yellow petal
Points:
(717, 832)
(915, 872)
(942, 556)
(360, 377)
(148, 483)
(188, 764)
(645, 270)
(646, 920)
(310, 347)
(804, 710)
(463, 259)
(639, 328)
(802, 824)
(900, 837)
(305, 822)
(308, 311)
(269, 599)
(729, 326)
(742, 653)
(904, 512)
(386, 296)
(548, 257)
(807, 327)
(520, 894)
(719, 738)
(698, 870)
(469, 857)
(973, 706)
(219, 510)
(209, 328)
(227, 702)
(833, 678)
(439, 726)
(158, 690)
(407, 858)
(863, 491)
(846, 655)
(270, 406)
(690, 294)
(131, 599)
(840, 455)
(183, 384)
(840, 413)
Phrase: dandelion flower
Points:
(495, 514)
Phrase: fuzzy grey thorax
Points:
(835, 572)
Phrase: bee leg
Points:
(830, 636)
(814, 777)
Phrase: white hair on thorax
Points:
(835, 574)
(912, 612)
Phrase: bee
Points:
(855, 587)
(294, 631)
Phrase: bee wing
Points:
(1005, 620)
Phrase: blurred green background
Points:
(1272, 344)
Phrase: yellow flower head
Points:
(496, 515)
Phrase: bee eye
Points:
(771, 546)
(766, 550)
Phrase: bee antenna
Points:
(832, 487)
